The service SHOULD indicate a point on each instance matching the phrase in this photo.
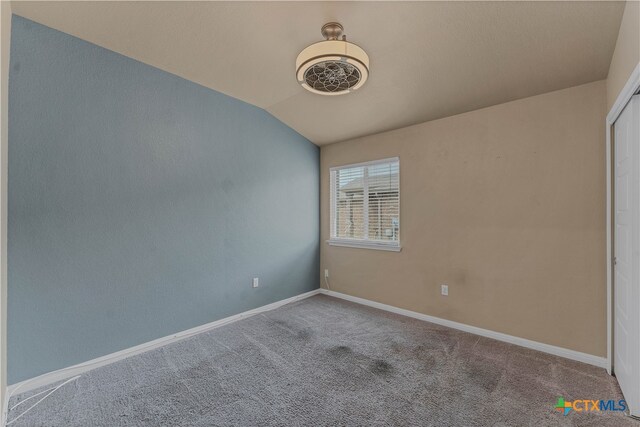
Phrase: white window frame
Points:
(363, 243)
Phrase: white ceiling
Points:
(428, 59)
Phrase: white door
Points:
(626, 324)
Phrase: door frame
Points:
(630, 88)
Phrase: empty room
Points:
(343, 213)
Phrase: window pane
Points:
(384, 202)
(349, 214)
(365, 202)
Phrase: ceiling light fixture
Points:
(333, 66)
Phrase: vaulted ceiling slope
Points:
(428, 59)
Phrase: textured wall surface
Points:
(141, 204)
(506, 205)
(5, 47)
(627, 52)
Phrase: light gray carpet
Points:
(324, 361)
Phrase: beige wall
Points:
(5, 36)
(506, 205)
(627, 53)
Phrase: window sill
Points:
(365, 245)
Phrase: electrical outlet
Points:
(326, 273)
(444, 290)
(256, 282)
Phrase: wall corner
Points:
(5, 34)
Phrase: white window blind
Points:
(365, 205)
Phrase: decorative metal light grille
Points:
(333, 66)
(332, 76)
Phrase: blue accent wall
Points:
(141, 204)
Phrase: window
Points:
(365, 205)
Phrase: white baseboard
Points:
(522, 342)
(74, 370)
(62, 374)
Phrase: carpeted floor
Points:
(324, 361)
